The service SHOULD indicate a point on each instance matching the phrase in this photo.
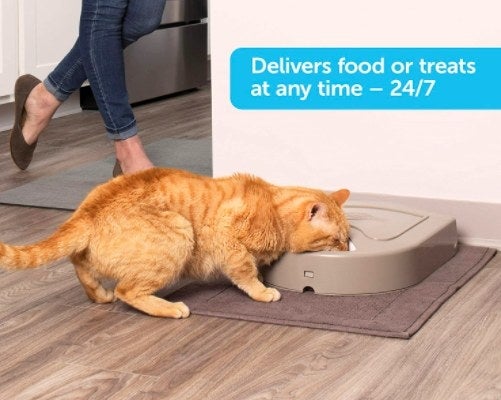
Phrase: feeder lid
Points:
(382, 223)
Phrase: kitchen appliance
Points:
(169, 60)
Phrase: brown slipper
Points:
(20, 151)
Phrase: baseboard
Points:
(478, 223)
(494, 244)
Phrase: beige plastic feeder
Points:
(391, 248)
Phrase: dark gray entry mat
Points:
(67, 189)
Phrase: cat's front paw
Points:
(267, 295)
(181, 310)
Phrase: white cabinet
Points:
(35, 36)
(48, 30)
(8, 45)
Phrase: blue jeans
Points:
(106, 28)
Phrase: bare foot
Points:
(131, 155)
(40, 107)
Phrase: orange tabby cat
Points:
(149, 229)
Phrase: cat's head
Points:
(318, 222)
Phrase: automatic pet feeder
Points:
(391, 248)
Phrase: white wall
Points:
(454, 155)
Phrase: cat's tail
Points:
(70, 238)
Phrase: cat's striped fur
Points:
(152, 228)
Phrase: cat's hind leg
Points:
(165, 248)
(90, 282)
(139, 296)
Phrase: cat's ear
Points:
(317, 210)
(340, 196)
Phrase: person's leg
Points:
(100, 44)
(47, 96)
(104, 30)
(40, 106)
(140, 19)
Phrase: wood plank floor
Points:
(55, 344)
